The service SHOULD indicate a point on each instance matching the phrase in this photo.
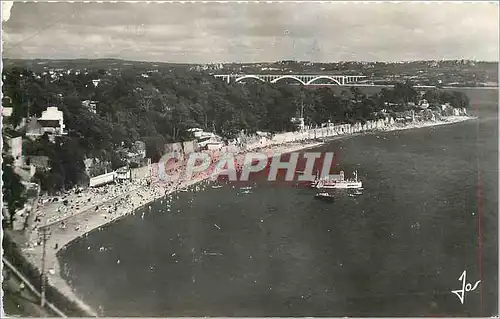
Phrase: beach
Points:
(96, 210)
(75, 215)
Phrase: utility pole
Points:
(44, 234)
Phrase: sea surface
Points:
(428, 211)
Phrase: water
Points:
(396, 250)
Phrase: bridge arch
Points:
(288, 77)
(248, 77)
(324, 77)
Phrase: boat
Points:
(324, 196)
(336, 183)
(217, 186)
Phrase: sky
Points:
(252, 32)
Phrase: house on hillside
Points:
(33, 128)
(6, 106)
(7, 111)
(211, 143)
(206, 140)
(90, 105)
(95, 167)
(123, 173)
(51, 122)
(15, 149)
(139, 148)
(299, 121)
(199, 133)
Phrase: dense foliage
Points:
(14, 192)
(158, 107)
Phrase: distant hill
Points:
(39, 64)
(448, 72)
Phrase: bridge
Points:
(306, 79)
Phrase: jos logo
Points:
(465, 287)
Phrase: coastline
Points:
(91, 219)
(431, 86)
(97, 214)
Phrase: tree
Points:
(14, 192)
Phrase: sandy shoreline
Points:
(95, 214)
(89, 219)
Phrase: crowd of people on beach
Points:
(109, 198)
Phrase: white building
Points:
(51, 122)
(200, 134)
(90, 105)
(16, 150)
(122, 173)
(445, 106)
(299, 121)
(7, 111)
(424, 104)
(211, 143)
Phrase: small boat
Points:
(337, 182)
(324, 196)
(217, 186)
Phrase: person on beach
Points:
(21, 288)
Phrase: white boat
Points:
(338, 183)
(217, 186)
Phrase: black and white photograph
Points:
(250, 159)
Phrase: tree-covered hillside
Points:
(159, 106)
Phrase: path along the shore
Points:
(75, 215)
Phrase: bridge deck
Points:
(304, 79)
